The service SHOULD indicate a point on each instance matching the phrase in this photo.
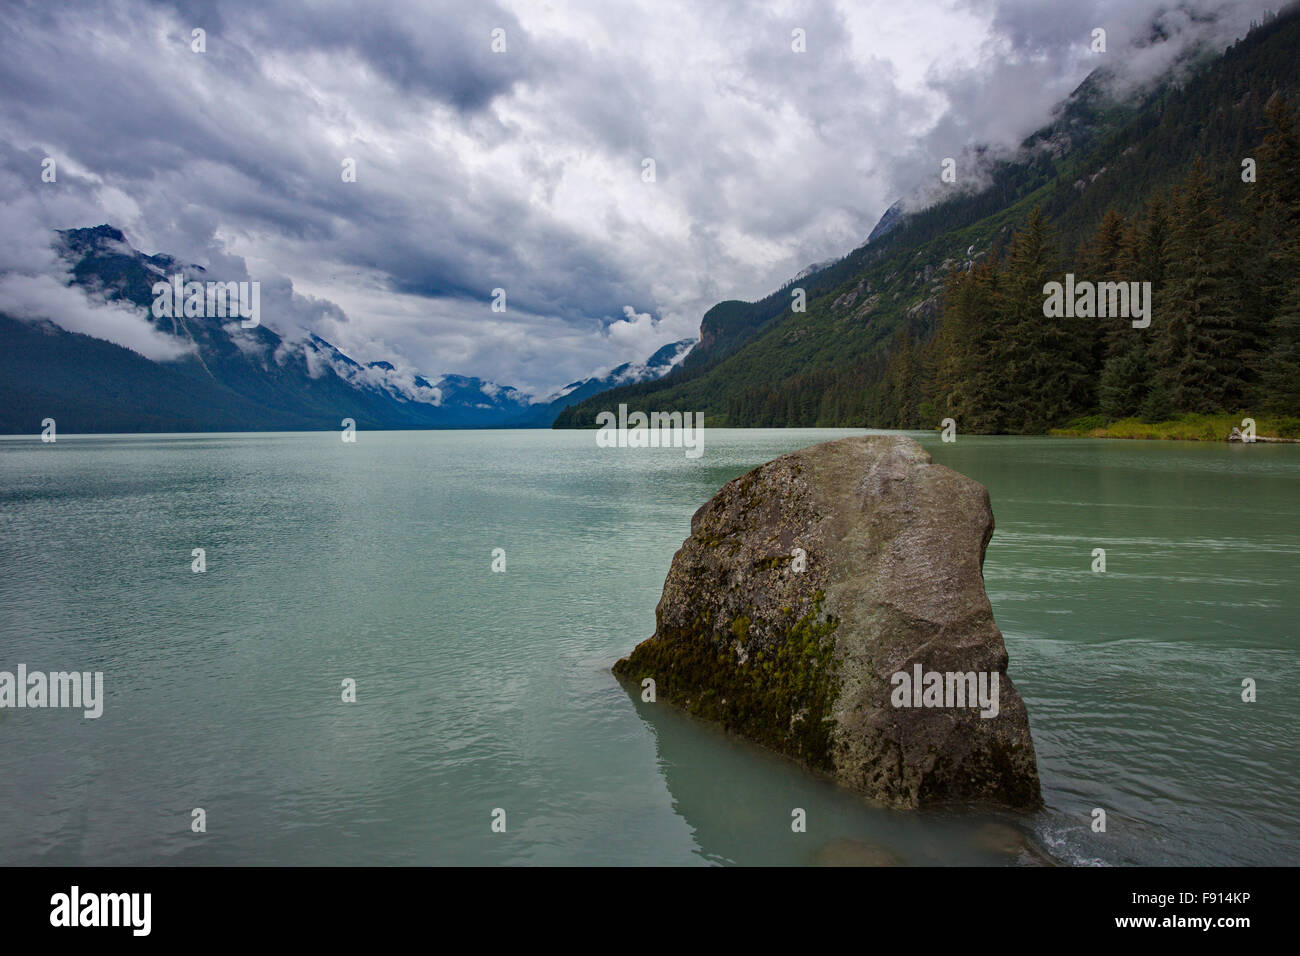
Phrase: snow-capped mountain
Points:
(228, 373)
(656, 366)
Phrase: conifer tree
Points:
(967, 374)
(1045, 377)
(1108, 257)
(1200, 346)
(1279, 216)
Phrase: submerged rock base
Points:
(814, 592)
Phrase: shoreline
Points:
(1212, 428)
(1101, 433)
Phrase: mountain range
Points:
(232, 378)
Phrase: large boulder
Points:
(814, 592)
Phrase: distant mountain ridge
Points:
(658, 365)
(235, 378)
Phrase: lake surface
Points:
(475, 690)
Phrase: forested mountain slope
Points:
(943, 314)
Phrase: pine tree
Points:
(967, 383)
(1200, 344)
(1281, 372)
(1279, 213)
(1108, 258)
(1047, 359)
(1124, 384)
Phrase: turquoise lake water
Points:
(477, 690)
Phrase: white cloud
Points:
(45, 297)
(35, 282)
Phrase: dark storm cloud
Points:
(434, 49)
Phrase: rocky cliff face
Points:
(830, 605)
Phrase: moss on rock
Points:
(780, 696)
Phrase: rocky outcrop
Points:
(810, 597)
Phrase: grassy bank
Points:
(1185, 428)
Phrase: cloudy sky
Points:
(522, 169)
